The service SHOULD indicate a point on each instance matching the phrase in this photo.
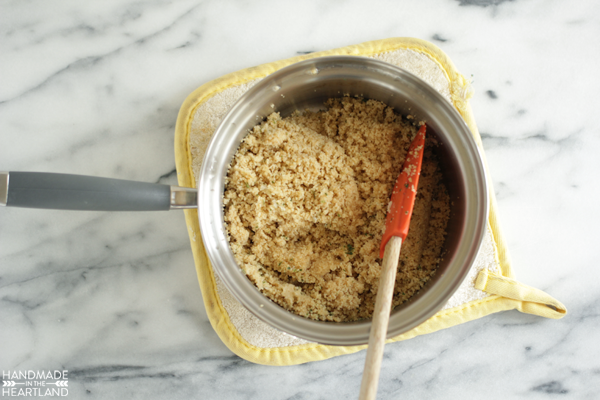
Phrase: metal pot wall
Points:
(306, 85)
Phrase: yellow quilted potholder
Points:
(490, 286)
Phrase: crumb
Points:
(305, 205)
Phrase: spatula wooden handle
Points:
(381, 318)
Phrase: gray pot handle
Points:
(79, 192)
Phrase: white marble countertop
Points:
(94, 88)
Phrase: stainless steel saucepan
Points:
(304, 85)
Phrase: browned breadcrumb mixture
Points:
(305, 206)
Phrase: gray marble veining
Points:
(95, 87)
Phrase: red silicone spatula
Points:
(396, 229)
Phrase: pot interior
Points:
(307, 85)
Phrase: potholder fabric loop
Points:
(530, 299)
